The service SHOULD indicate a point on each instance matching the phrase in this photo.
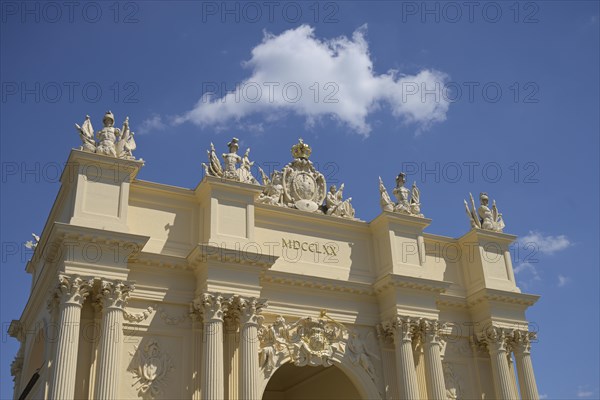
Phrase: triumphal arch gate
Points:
(263, 285)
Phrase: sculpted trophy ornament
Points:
(231, 160)
(109, 141)
(484, 217)
(407, 201)
(299, 185)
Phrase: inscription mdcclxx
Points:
(312, 247)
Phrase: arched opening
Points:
(292, 382)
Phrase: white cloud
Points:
(530, 247)
(296, 72)
(154, 123)
(563, 280)
(525, 266)
(545, 244)
(582, 392)
(543, 396)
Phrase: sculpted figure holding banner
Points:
(336, 205)
(107, 136)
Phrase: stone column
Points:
(522, 347)
(436, 387)
(419, 363)
(16, 367)
(113, 298)
(249, 310)
(232, 355)
(513, 377)
(497, 346)
(405, 363)
(386, 340)
(212, 350)
(71, 293)
(196, 317)
(15, 330)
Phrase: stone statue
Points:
(360, 355)
(107, 136)
(273, 193)
(407, 201)
(32, 244)
(483, 217)
(86, 133)
(385, 201)
(231, 161)
(214, 165)
(336, 205)
(299, 185)
(245, 173)
(109, 141)
(126, 145)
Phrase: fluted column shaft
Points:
(249, 310)
(436, 387)
(405, 363)
(496, 342)
(212, 351)
(197, 329)
(388, 361)
(113, 297)
(527, 382)
(513, 377)
(71, 293)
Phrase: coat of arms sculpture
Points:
(299, 185)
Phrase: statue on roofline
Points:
(108, 141)
(484, 217)
(407, 201)
(231, 160)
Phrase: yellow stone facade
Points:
(145, 290)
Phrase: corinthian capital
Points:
(521, 341)
(210, 306)
(247, 309)
(405, 327)
(114, 294)
(431, 330)
(497, 339)
(72, 289)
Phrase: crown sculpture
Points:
(483, 217)
(298, 185)
(109, 141)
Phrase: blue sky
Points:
(518, 118)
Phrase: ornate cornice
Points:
(51, 245)
(312, 282)
(501, 296)
(399, 281)
(163, 261)
(212, 252)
